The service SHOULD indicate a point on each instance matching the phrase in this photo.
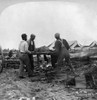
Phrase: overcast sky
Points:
(73, 20)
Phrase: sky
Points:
(76, 20)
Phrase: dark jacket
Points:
(66, 44)
(31, 47)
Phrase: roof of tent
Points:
(74, 44)
(93, 44)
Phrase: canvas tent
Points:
(71, 42)
(50, 46)
(93, 44)
(74, 45)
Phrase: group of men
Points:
(25, 56)
(60, 51)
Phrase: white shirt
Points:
(31, 42)
(23, 46)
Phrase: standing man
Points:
(31, 47)
(60, 51)
(23, 56)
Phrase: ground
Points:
(13, 88)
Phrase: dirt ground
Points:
(13, 88)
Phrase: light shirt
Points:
(31, 42)
(23, 46)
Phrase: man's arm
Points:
(26, 48)
(28, 42)
(34, 45)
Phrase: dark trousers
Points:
(24, 60)
(67, 60)
(54, 59)
(31, 61)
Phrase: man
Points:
(23, 56)
(31, 47)
(60, 52)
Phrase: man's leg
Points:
(21, 69)
(54, 59)
(32, 64)
(31, 61)
(68, 61)
(28, 65)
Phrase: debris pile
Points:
(46, 85)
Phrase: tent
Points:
(93, 44)
(74, 44)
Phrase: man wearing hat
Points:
(31, 47)
(23, 56)
(60, 51)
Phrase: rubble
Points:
(65, 85)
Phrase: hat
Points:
(32, 35)
(57, 35)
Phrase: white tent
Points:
(71, 42)
(93, 44)
(74, 44)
